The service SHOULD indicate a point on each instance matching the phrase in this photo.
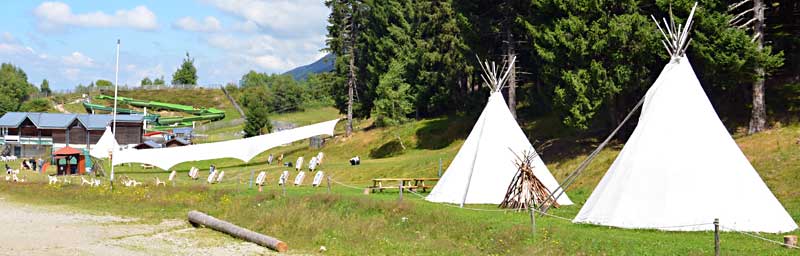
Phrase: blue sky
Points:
(72, 42)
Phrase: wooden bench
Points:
(420, 183)
(411, 184)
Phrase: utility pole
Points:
(114, 114)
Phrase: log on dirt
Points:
(199, 218)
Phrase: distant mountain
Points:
(324, 64)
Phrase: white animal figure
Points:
(194, 173)
(320, 156)
(84, 181)
(159, 182)
(95, 182)
(317, 179)
(52, 180)
(299, 179)
(299, 164)
(312, 165)
(262, 176)
(284, 177)
(219, 177)
(66, 181)
(211, 177)
(172, 176)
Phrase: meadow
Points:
(348, 222)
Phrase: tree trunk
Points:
(758, 117)
(512, 77)
(351, 83)
(199, 218)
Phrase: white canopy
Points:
(681, 167)
(489, 154)
(242, 149)
(104, 145)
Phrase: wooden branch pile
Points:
(525, 187)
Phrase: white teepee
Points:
(485, 163)
(680, 167)
(104, 145)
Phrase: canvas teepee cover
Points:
(680, 167)
(104, 145)
(489, 154)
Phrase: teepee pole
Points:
(553, 198)
(474, 159)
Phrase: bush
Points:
(36, 105)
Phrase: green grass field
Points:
(348, 222)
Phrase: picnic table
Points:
(412, 184)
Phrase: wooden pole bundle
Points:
(525, 187)
(199, 218)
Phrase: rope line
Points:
(349, 186)
(760, 237)
(683, 226)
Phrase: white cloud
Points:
(77, 59)
(289, 17)
(209, 24)
(247, 26)
(268, 53)
(8, 38)
(53, 15)
(71, 73)
(10, 45)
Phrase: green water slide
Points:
(92, 108)
(200, 114)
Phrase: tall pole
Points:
(475, 157)
(114, 114)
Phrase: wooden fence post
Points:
(716, 237)
(440, 167)
(533, 219)
(329, 183)
(252, 172)
(400, 199)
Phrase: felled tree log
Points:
(199, 218)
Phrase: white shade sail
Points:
(680, 167)
(242, 149)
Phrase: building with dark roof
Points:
(34, 134)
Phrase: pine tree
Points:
(393, 102)
(255, 102)
(186, 74)
(45, 88)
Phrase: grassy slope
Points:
(348, 222)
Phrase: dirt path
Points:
(60, 108)
(36, 230)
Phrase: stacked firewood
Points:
(525, 187)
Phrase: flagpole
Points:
(114, 112)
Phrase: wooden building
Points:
(36, 134)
